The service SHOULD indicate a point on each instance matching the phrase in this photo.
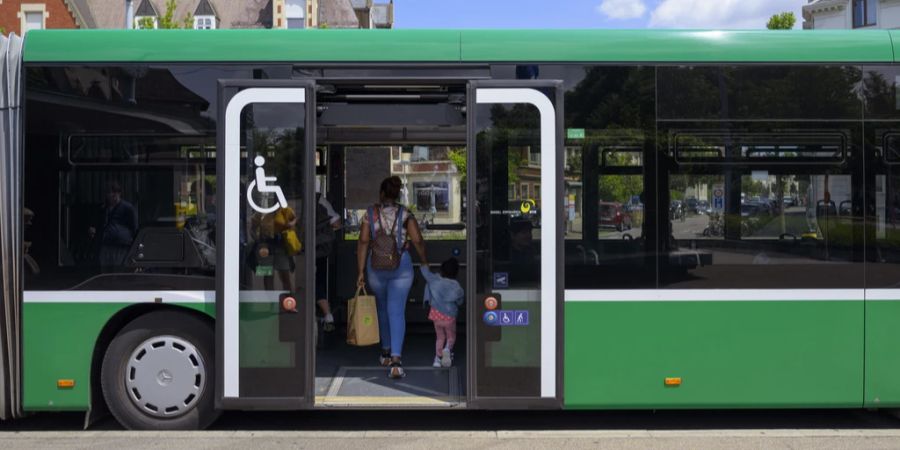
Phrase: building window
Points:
(295, 13)
(204, 23)
(534, 157)
(146, 22)
(864, 13)
(32, 17)
(33, 21)
(432, 197)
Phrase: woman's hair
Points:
(390, 188)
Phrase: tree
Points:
(783, 21)
(167, 21)
(458, 158)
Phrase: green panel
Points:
(58, 343)
(517, 346)
(453, 45)
(882, 353)
(677, 46)
(241, 45)
(728, 354)
(259, 345)
(895, 37)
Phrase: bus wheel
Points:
(159, 373)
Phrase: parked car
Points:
(692, 204)
(613, 214)
(702, 207)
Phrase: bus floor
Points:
(351, 377)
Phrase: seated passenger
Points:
(445, 295)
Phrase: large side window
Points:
(882, 177)
(760, 197)
(609, 167)
(120, 177)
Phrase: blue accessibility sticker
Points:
(507, 318)
(521, 318)
(501, 280)
(491, 318)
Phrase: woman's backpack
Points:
(385, 246)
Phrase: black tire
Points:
(185, 326)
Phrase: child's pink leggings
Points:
(446, 335)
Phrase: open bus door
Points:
(264, 289)
(514, 189)
(11, 215)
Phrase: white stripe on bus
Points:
(714, 295)
(134, 297)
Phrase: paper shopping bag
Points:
(362, 320)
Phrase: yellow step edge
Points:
(368, 400)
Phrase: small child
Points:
(444, 294)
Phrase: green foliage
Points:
(146, 23)
(619, 188)
(458, 158)
(167, 21)
(782, 21)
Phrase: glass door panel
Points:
(263, 296)
(514, 131)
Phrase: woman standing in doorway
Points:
(383, 255)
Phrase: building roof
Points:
(361, 4)
(82, 13)
(204, 8)
(627, 46)
(145, 9)
(337, 14)
(230, 13)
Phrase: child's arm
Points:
(428, 274)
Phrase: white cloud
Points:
(722, 14)
(622, 9)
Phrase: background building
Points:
(825, 14)
(21, 15)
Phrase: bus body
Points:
(760, 172)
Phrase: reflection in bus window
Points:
(433, 186)
(792, 222)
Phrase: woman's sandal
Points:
(385, 359)
(396, 370)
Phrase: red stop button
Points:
(491, 303)
(289, 304)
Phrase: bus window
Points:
(790, 221)
(433, 186)
(609, 237)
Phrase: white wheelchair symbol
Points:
(265, 185)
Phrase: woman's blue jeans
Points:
(391, 289)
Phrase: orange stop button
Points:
(491, 303)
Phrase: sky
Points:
(718, 14)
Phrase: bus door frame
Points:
(227, 322)
(551, 392)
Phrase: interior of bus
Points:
(366, 133)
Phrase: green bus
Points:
(643, 219)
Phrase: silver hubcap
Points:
(165, 376)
